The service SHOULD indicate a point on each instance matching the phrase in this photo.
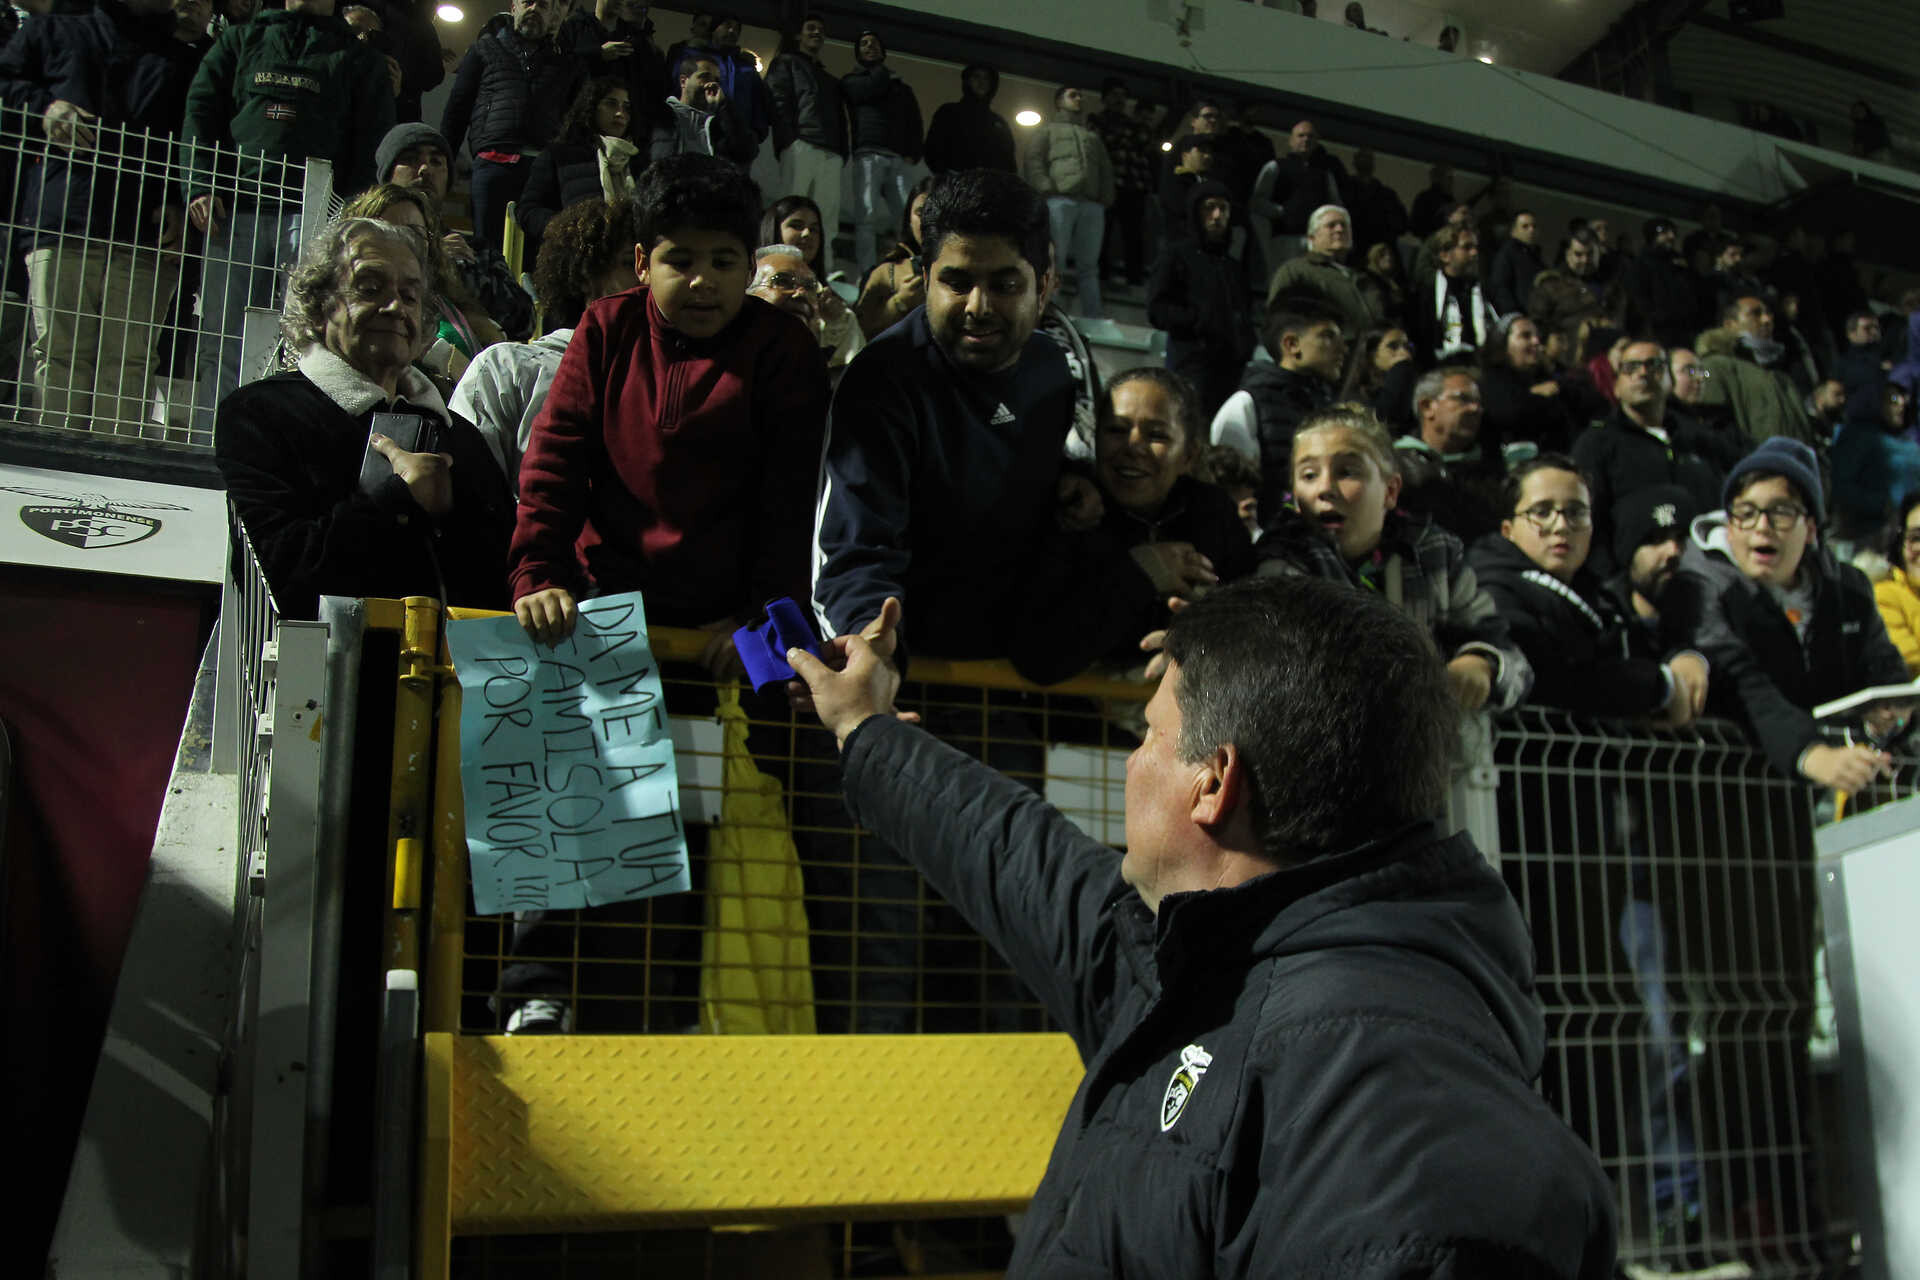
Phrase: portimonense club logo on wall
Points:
(89, 521)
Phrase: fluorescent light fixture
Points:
(1029, 118)
(450, 13)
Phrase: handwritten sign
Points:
(572, 797)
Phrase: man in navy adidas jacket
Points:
(945, 435)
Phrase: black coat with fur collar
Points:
(290, 456)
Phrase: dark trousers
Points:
(1126, 240)
(495, 186)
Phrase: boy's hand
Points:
(548, 616)
(1848, 769)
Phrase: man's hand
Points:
(206, 213)
(394, 73)
(1175, 568)
(1470, 676)
(713, 95)
(548, 616)
(1689, 697)
(1155, 643)
(853, 678)
(457, 247)
(428, 476)
(1076, 503)
(173, 227)
(1547, 388)
(614, 49)
(1848, 769)
(66, 124)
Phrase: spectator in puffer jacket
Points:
(508, 98)
(1068, 164)
(287, 86)
(886, 138)
(809, 129)
(1303, 336)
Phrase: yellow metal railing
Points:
(597, 1132)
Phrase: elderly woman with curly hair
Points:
(350, 475)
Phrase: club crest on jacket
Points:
(1194, 1062)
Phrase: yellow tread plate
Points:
(586, 1133)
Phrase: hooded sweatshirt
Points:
(1202, 290)
(969, 133)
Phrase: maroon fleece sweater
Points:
(689, 463)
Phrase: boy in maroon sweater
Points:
(684, 427)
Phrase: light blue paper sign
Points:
(572, 797)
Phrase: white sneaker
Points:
(540, 1016)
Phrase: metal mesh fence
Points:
(124, 311)
(1667, 880)
(882, 953)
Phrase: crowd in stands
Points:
(1615, 479)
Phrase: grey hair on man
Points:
(769, 258)
(1433, 383)
(317, 280)
(1324, 212)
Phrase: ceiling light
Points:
(1166, 146)
(1487, 58)
(450, 13)
(1029, 118)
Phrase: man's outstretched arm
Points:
(1032, 883)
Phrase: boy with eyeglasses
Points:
(1586, 653)
(1784, 624)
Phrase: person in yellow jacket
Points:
(1897, 593)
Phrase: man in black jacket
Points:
(885, 132)
(1202, 293)
(809, 127)
(1645, 441)
(1289, 950)
(968, 133)
(508, 97)
(108, 89)
(1515, 264)
(1663, 297)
